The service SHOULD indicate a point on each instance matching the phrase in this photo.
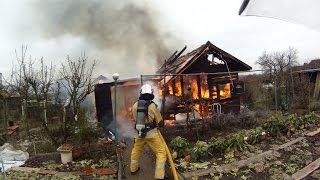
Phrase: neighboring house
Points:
(312, 71)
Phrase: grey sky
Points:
(179, 22)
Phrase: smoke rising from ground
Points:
(127, 36)
(125, 128)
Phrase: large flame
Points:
(204, 87)
(178, 89)
(194, 89)
(223, 91)
(204, 93)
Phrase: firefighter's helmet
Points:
(146, 89)
(146, 92)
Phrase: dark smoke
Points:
(122, 30)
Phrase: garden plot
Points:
(234, 168)
(276, 150)
(90, 162)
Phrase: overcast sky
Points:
(48, 30)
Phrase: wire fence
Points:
(262, 89)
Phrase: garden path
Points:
(147, 164)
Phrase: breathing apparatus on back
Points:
(146, 97)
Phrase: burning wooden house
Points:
(202, 78)
(206, 76)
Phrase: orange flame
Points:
(170, 89)
(214, 92)
(225, 91)
(196, 107)
(169, 123)
(194, 89)
(204, 93)
(160, 92)
(178, 89)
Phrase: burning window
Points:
(191, 82)
(225, 91)
(204, 93)
(194, 88)
(214, 92)
(204, 87)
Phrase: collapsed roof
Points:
(178, 65)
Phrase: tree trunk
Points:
(5, 108)
(25, 119)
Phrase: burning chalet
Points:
(207, 76)
(202, 78)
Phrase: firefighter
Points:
(147, 118)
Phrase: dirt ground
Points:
(146, 162)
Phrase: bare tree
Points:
(19, 83)
(41, 81)
(278, 65)
(278, 62)
(77, 80)
(3, 100)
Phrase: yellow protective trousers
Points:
(154, 142)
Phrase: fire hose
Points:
(173, 168)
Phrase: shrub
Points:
(275, 125)
(200, 151)
(84, 132)
(280, 123)
(247, 118)
(236, 141)
(311, 119)
(87, 135)
(180, 145)
(255, 136)
(222, 121)
(217, 145)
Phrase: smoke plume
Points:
(127, 36)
